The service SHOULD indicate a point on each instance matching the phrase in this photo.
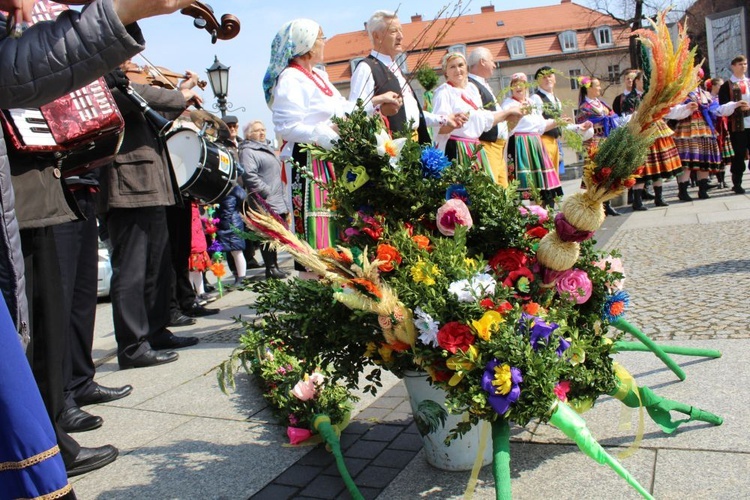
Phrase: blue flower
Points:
(434, 162)
(501, 381)
(458, 192)
(615, 305)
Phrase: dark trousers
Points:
(740, 144)
(77, 251)
(49, 340)
(141, 277)
(179, 223)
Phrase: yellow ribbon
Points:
(625, 386)
(483, 438)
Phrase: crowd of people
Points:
(158, 235)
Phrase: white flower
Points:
(428, 327)
(479, 286)
(390, 147)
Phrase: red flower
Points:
(503, 307)
(455, 336)
(537, 232)
(487, 303)
(389, 254)
(374, 232)
(409, 228)
(531, 308)
(508, 260)
(628, 183)
(514, 276)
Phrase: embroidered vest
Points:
(488, 102)
(737, 119)
(555, 132)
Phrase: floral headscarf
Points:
(294, 39)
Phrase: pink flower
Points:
(576, 285)
(297, 435)
(536, 210)
(561, 390)
(454, 212)
(306, 389)
(615, 266)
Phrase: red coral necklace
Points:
(317, 80)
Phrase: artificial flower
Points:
(373, 228)
(424, 272)
(531, 308)
(612, 265)
(307, 388)
(538, 332)
(458, 192)
(615, 305)
(562, 346)
(520, 279)
(501, 382)
(561, 390)
(366, 287)
(297, 435)
(576, 285)
(428, 327)
(488, 322)
(469, 290)
(422, 242)
(537, 232)
(453, 213)
(575, 355)
(455, 336)
(218, 269)
(461, 365)
(389, 255)
(433, 162)
(537, 210)
(390, 147)
(508, 260)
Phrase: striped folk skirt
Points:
(312, 217)
(533, 167)
(466, 150)
(697, 144)
(496, 156)
(663, 159)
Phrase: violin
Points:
(157, 76)
(204, 18)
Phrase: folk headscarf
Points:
(294, 39)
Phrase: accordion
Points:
(80, 131)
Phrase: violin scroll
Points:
(204, 18)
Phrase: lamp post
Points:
(218, 75)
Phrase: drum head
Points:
(185, 150)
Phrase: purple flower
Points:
(501, 381)
(540, 329)
(434, 162)
(562, 346)
(216, 247)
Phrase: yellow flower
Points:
(502, 379)
(424, 272)
(485, 325)
(461, 364)
(386, 353)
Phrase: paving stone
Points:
(298, 475)
(396, 459)
(353, 465)
(383, 432)
(407, 441)
(326, 487)
(319, 456)
(376, 477)
(276, 492)
(367, 493)
(366, 449)
(685, 474)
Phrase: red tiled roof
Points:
(539, 25)
(478, 28)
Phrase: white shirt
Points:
(538, 103)
(502, 127)
(302, 112)
(745, 96)
(363, 87)
(532, 123)
(448, 100)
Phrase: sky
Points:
(174, 43)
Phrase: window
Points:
(613, 71)
(568, 41)
(459, 47)
(353, 63)
(573, 74)
(401, 61)
(603, 36)
(516, 47)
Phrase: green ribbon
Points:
(322, 424)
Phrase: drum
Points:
(204, 170)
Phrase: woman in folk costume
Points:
(303, 101)
(695, 135)
(531, 164)
(456, 96)
(722, 132)
(663, 159)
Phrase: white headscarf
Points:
(294, 39)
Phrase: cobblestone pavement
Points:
(688, 281)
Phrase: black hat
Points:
(542, 71)
(231, 120)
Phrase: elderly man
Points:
(481, 66)
(379, 73)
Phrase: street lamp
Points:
(218, 75)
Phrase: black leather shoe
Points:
(199, 310)
(76, 420)
(738, 189)
(610, 210)
(275, 274)
(181, 320)
(149, 358)
(101, 394)
(647, 195)
(89, 459)
(253, 264)
(172, 342)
